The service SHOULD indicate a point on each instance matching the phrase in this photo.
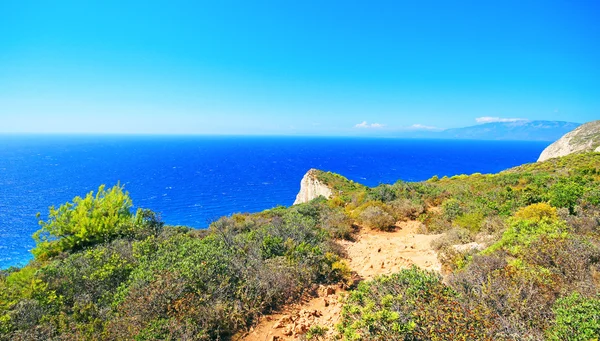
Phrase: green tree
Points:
(90, 220)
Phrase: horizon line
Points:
(75, 134)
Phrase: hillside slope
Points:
(585, 138)
(519, 252)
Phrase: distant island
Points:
(520, 130)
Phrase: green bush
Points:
(91, 220)
(316, 333)
(406, 209)
(410, 305)
(520, 295)
(376, 218)
(337, 223)
(577, 318)
(537, 212)
(566, 194)
(470, 221)
(451, 209)
(522, 232)
(102, 272)
(383, 193)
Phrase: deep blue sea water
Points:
(193, 180)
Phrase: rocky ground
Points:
(372, 253)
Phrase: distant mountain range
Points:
(517, 130)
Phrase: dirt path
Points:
(376, 253)
(373, 253)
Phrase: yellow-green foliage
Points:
(451, 208)
(87, 221)
(339, 270)
(410, 305)
(470, 221)
(316, 333)
(531, 272)
(522, 232)
(566, 165)
(577, 318)
(345, 188)
(21, 283)
(537, 212)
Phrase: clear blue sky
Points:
(294, 67)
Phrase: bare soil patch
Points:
(372, 253)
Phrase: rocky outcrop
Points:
(311, 187)
(585, 138)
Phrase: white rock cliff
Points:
(311, 187)
(585, 138)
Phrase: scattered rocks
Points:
(282, 322)
(329, 291)
(299, 322)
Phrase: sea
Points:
(194, 180)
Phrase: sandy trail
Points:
(376, 253)
(373, 253)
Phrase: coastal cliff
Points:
(311, 187)
(585, 138)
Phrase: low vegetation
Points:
(532, 273)
(520, 252)
(102, 272)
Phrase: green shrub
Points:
(577, 318)
(437, 224)
(451, 209)
(566, 194)
(493, 225)
(376, 218)
(91, 220)
(470, 221)
(522, 232)
(383, 193)
(337, 223)
(406, 209)
(102, 271)
(92, 275)
(316, 333)
(537, 212)
(410, 305)
(519, 295)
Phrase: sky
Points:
(294, 67)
